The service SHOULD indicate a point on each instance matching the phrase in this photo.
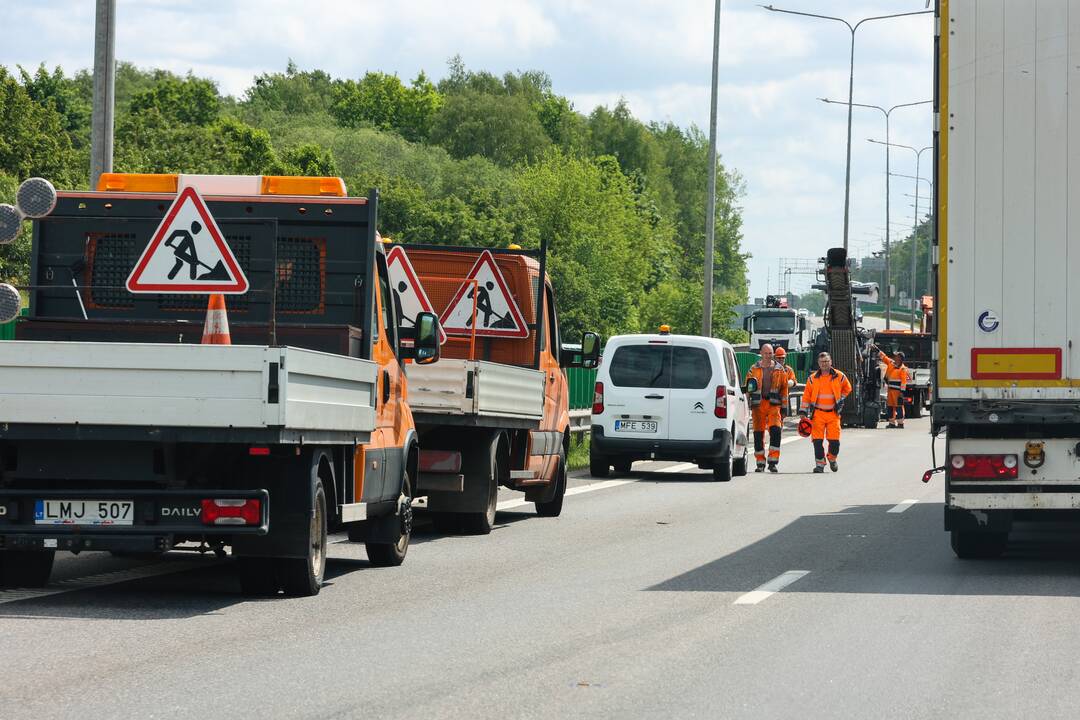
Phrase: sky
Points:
(787, 146)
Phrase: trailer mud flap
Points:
(978, 520)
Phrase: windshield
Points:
(777, 324)
(916, 348)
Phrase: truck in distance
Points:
(779, 326)
(120, 432)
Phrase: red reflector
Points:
(721, 402)
(988, 467)
(258, 451)
(440, 461)
(598, 399)
(228, 511)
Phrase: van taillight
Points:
(598, 399)
(986, 467)
(721, 402)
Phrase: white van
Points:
(669, 397)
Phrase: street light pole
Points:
(887, 114)
(710, 202)
(101, 124)
(851, 90)
(915, 227)
(929, 259)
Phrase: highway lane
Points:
(667, 596)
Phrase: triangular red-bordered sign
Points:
(497, 313)
(405, 283)
(187, 254)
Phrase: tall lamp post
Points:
(710, 202)
(915, 228)
(887, 114)
(851, 89)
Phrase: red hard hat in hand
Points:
(805, 426)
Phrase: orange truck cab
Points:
(109, 402)
(494, 411)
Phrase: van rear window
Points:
(641, 366)
(691, 368)
(659, 366)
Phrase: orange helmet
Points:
(780, 353)
(805, 426)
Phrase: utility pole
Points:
(710, 201)
(101, 126)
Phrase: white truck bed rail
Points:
(186, 386)
(476, 388)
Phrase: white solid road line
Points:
(903, 506)
(593, 487)
(101, 579)
(772, 587)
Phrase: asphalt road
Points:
(656, 595)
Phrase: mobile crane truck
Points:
(119, 431)
(494, 412)
(1007, 325)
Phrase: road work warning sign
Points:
(187, 254)
(406, 285)
(497, 314)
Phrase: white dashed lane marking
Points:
(772, 587)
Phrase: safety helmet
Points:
(780, 353)
(805, 426)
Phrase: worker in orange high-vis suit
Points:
(781, 358)
(896, 379)
(823, 402)
(768, 393)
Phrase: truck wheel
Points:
(723, 468)
(553, 507)
(393, 554)
(258, 576)
(916, 407)
(26, 568)
(622, 465)
(485, 466)
(303, 577)
(871, 415)
(970, 545)
(599, 465)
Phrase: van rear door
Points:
(693, 392)
(638, 397)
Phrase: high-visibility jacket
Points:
(895, 377)
(824, 390)
(790, 376)
(776, 393)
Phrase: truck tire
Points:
(485, 466)
(393, 554)
(599, 465)
(303, 577)
(916, 410)
(871, 415)
(969, 545)
(26, 568)
(553, 507)
(622, 465)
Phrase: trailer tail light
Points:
(598, 399)
(720, 409)
(227, 511)
(258, 451)
(984, 467)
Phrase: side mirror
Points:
(590, 350)
(746, 324)
(426, 346)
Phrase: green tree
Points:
(383, 102)
(33, 140)
(292, 92)
(502, 128)
(189, 100)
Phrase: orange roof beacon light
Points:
(223, 184)
(665, 329)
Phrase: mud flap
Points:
(474, 495)
(289, 485)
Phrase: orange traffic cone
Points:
(216, 330)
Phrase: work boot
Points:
(760, 467)
(900, 426)
(772, 467)
(818, 469)
(891, 426)
(833, 466)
